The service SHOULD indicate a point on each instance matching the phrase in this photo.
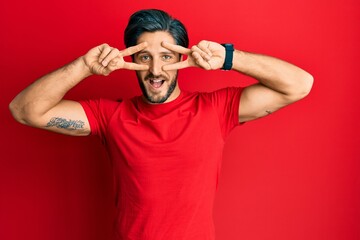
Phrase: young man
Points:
(167, 144)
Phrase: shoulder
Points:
(223, 94)
(101, 102)
(100, 105)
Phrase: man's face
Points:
(157, 86)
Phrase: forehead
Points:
(154, 39)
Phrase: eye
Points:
(144, 58)
(167, 57)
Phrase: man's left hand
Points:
(207, 55)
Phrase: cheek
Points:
(141, 74)
(172, 74)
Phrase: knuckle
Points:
(202, 43)
(112, 63)
(105, 46)
(116, 50)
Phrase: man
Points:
(166, 145)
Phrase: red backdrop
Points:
(293, 175)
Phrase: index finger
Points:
(135, 66)
(176, 48)
(176, 66)
(134, 49)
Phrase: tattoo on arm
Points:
(65, 124)
(268, 112)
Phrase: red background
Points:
(293, 175)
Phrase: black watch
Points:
(229, 52)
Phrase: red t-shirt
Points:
(167, 161)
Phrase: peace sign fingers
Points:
(134, 49)
(198, 56)
(181, 50)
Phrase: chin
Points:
(155, 98)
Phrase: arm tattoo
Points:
(66, 124)
(268, 112)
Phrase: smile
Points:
(156, 83)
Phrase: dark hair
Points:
(152, 20)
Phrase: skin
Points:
(157, 58)
(280, 83)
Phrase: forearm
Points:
(278, 75)
(48, 91)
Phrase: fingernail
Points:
(104, 63)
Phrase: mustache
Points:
(152, 76)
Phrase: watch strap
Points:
(229, 53)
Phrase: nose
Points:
(156, 67)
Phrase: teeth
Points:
(156, 81)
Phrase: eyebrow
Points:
(161, 53)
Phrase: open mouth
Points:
(156, 83)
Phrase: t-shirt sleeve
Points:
(226, 103)
(99, 112)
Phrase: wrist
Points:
(84, 69)
(240, 61)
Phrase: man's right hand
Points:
(42, 105)
(103, 59)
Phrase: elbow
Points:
(25, 113)
(302, 88)
(15, 111)
(309, 82)
(18, 112)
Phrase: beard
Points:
(153, 98)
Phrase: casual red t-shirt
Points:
(167, 161)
